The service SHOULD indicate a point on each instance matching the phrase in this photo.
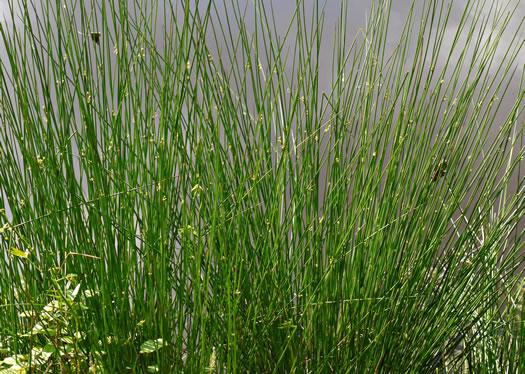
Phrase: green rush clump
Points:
(201, 186)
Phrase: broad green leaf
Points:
(41, 355)
(26, 314)
(151, 346)
(14, 370)
(53, 306)
(49, 348)
(67, 339)
(90, 293)
(8, 361)
(18, 253)
(38, 328)
(16, 363)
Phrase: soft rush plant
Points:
(180, 194)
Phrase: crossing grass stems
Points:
(193, 200)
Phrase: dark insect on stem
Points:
(95, 36)
(440, 171)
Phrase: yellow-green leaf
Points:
(18, 253)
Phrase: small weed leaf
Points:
(14, 362)
(41, 355)
(151, 346)
(18, 253)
